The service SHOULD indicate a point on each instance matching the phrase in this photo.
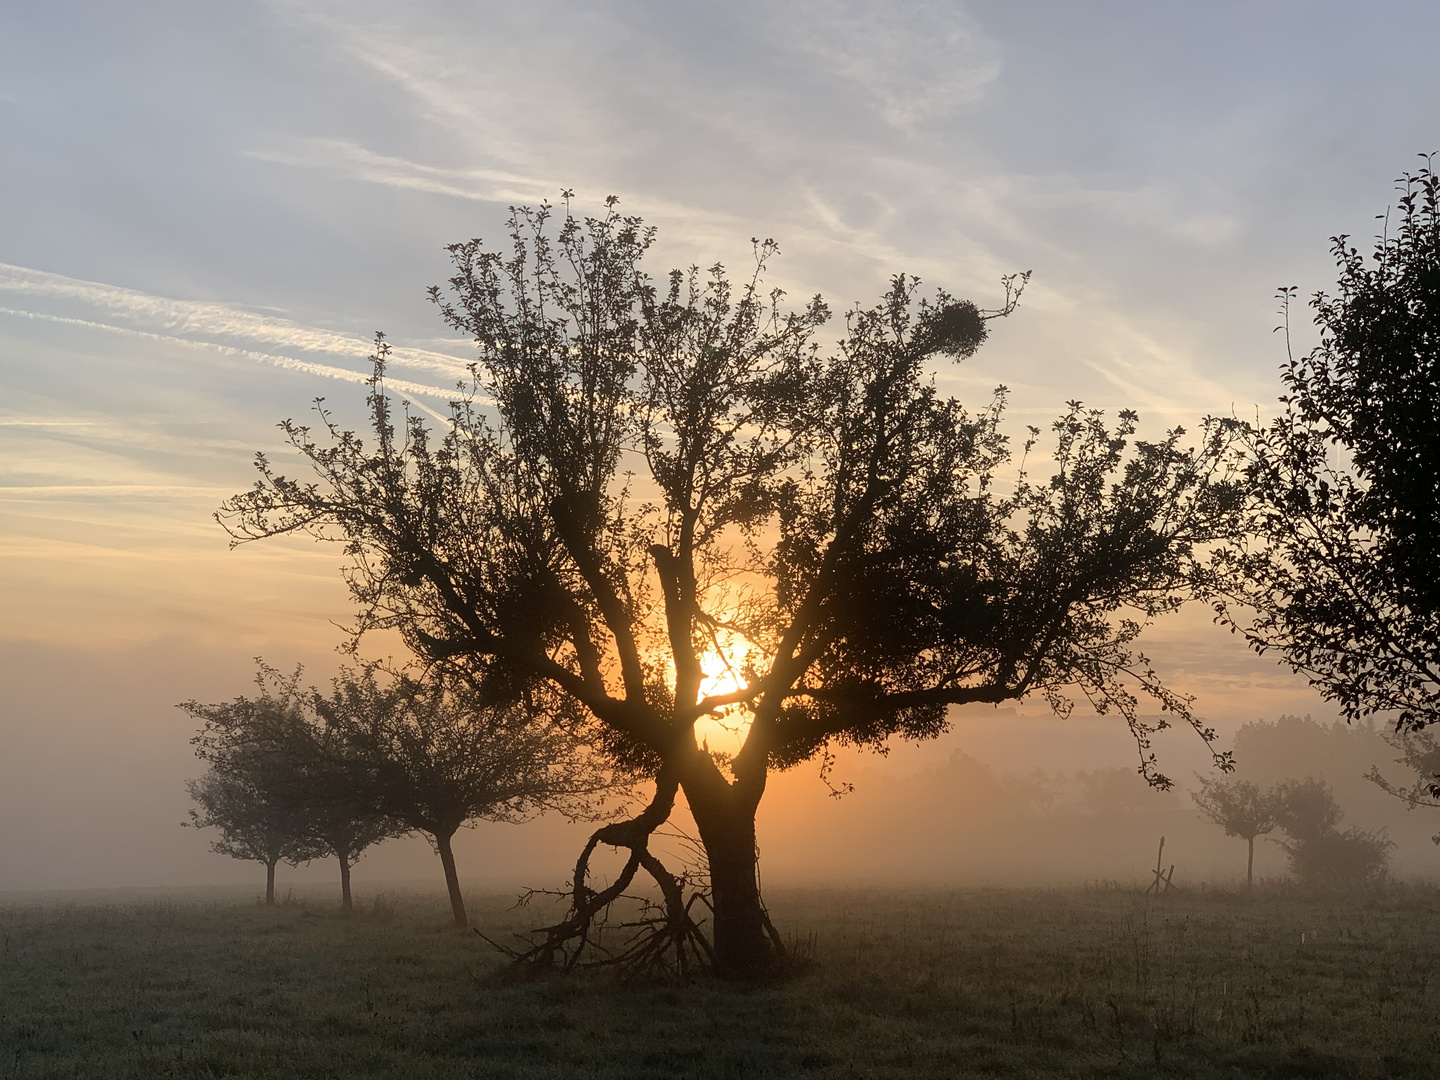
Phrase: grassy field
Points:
(1073, 983)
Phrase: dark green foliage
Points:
(1375, 385)
(1340, 580)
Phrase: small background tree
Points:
(431, 755)
(294, 768)
(336, 805)
(237, 798)
(1241, 809)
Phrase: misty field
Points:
(1074, 983)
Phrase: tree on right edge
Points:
(1420, 755)
(1338, 576)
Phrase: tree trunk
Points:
(346, 903)
(1250, 869)
(743, 941)
(270, 882)
(452, 880)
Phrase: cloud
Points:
(1208, 230)
(217, 328)
(210, 324)
(40, 422)
(484, 185)
(289, 363)
(916, 59)
(10, 492)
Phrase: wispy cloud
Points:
(289, 363)
(21, 492)
(200, 323)
(40, 422)
(916, 59)
(484, 185)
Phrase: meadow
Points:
(1101, 981)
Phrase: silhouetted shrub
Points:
(1320, 853)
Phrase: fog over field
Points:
(93, 797)
(206, 212)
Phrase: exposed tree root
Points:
(666, 938)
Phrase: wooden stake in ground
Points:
(1163, 878)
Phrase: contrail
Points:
(290, 363)
(181, 317)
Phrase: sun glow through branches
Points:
(724, 730)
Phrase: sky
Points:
(206, 211)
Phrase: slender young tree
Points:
(1241, 809)
(335, 804)
(235, 798)
(432, 756)
(670, 505)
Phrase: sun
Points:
(725, 730)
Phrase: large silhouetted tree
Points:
(664, 501)
(430, 755)
(285, 756)
(1339, 579)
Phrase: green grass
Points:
(1074, 983)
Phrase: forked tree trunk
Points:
(743, 941)
(270, 882)
(346, 903)
(452, 880)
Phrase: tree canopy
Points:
(670, 502)
(1339, 577)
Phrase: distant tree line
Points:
(296, 774)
